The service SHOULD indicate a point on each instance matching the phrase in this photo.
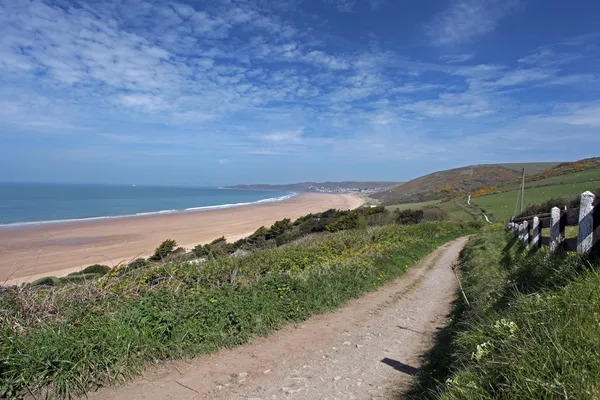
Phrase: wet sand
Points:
(30, 252)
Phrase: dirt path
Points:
(362, 351)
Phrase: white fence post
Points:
(585, 237)
(521, 232)
(525, 237)
(555, 236)
(535, 239)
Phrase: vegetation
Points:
(546, 206)
(413, 206)
(448, 184)
(503, 205)
(587, 170)
(69, 339)
(93, 269)
(531, 331)
(165, 249)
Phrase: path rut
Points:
(365, 350)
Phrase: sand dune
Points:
(58, 249)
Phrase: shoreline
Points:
(27, 224)
(30, 252)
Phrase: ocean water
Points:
(28, 203)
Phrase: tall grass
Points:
(532, 331)
(73, 338)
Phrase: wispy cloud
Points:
(240, 81)
(457, 58)
(466, 20)
(342, 5)
(294, 136)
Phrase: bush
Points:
(408, 217)
(166, 248)
(96, 269)
(46, 281)
(79, 278)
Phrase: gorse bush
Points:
(165, 249)
(75, 338)
(408, 216)
(532, 330)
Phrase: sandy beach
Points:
(31, 252)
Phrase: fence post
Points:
(585, 237)
(535, 239)
(555, 230)
(525, 233)
(522, 232)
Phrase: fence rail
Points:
(586, 217)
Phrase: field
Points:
(502, 205)
(459, 210)
(592, 175)
(413, 206)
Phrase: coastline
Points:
(57, 249)
(26, 224)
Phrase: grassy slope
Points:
(502, 205)
(412, 206)
(449, 183)
(75, 337)
(532, 331)
(592, 175)
(530, 168)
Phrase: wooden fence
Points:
(586, 217)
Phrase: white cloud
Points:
(342, 5)
(294, 136)
(466, 20)
(457, 58)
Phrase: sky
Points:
(277, 91)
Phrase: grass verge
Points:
(532, 331)
(63, 341)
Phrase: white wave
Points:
(219, 206)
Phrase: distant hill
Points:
(561, 169)
(447, 184)
(322, 187)
(530, 168)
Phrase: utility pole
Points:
(522, 190)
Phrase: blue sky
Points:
(274, 91)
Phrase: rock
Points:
(267, 372)
(337, 378)
(243, 374)
(347, 343)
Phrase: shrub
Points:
(46, 281)
(408, 217)
(167, 247)
(96, 269)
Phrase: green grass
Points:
(502, 205)
(591, 175)
(75, 337)
(458, 209)
(532, 330)
(413, 206)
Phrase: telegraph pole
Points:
(522, 189)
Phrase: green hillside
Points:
(502, 205)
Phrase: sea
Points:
(39, 203)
